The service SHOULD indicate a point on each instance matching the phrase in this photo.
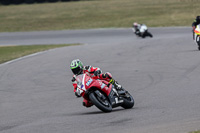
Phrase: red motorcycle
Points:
(102, 94)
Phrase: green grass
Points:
(195, 132)
(97, 14)
(8, 53)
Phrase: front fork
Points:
(115, 98)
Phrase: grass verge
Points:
(8, 53)
(195, 131)
(97, 14)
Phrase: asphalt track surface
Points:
(162, 74)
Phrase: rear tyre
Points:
(100, 101)
(128, 101)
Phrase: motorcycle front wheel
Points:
(100, 101)
(198, 41)
(128, 101)
(148, 34)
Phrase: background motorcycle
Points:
(143, 31)
(101, 95)
(197, 36)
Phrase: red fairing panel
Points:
(100, 84)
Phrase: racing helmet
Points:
(135, 24)
(198, 18)
(76, 66)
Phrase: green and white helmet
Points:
(76, 66)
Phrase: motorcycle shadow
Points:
(101, 112)
(96, 112)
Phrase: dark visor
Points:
(76, 71)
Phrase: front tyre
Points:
(198, 42)
(128, 101)
(100, 101)
(149, 34)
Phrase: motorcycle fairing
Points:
(197, 30)
(85, 82)
(143, 28)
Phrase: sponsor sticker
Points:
(102, 86)
(89, 82)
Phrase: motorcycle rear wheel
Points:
(102, 104)
(128, 101)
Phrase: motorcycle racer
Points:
(195, 23)
(137, 26)
(141, 30)
(78, 68)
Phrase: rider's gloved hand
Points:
(96, 73)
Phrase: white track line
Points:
(24, 57)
